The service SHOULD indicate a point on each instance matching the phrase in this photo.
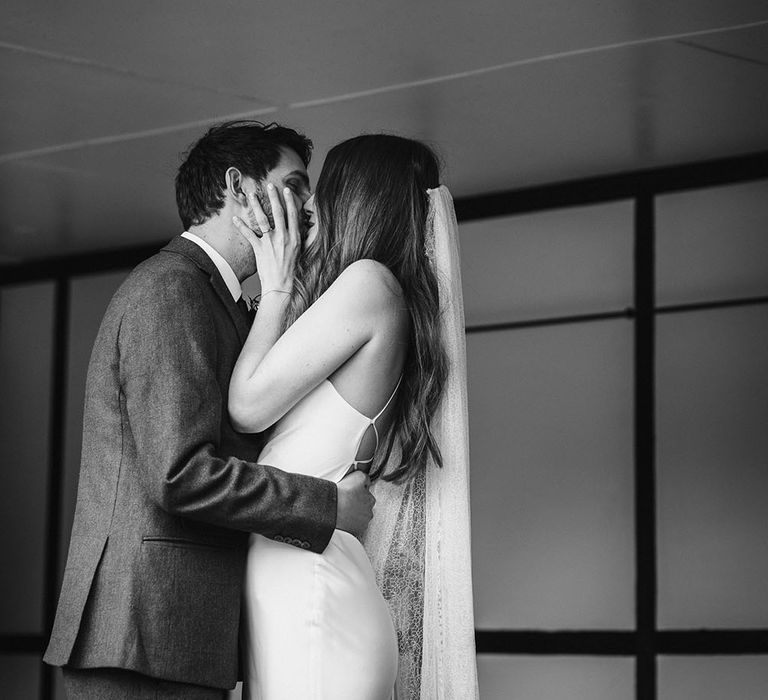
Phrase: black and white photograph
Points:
(357, 350)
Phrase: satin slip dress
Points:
(316, 625)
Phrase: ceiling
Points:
(99, 99)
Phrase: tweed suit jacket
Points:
(168, 491)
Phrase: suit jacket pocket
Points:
(189, 609)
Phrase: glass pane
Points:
(713, 677)
(712, 244)
(555, 678)
(89, 298)
(20, 675)
(26, 333)
(553, 263)
(712, 442)
(550, 413)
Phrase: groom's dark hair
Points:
(250, 146)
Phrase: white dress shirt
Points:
(224, 268)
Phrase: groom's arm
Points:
(168, 362)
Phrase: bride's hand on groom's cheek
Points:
(257, 223)
(258, 213)
(275, 249)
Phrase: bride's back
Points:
(367, 381)
(343, 420)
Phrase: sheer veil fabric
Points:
(419, 538)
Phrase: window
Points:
(617, 378)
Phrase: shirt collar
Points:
(224, 268)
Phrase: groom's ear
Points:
(234, 180)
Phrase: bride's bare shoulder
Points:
(371, 282)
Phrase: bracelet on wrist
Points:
(278, 291)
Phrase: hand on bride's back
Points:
(354, 508)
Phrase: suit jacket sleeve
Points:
(168, 367)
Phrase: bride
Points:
(358, 364)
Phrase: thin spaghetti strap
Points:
(375, 428)
(375, 449)
(389, 401)
(376, 431)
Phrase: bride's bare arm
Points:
(275, 253)
(268, 381)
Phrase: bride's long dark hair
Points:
(372, 203)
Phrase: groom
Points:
(168, 491)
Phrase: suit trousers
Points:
(120, 684)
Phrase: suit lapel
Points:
(199, 257)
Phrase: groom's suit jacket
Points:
(168, 490)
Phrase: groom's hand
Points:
(354, 508)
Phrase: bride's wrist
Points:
(276, 290)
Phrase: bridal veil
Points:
(419, 538)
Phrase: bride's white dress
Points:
(317, 626)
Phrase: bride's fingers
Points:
(292, 214)
(277, 211)
(261, 219)
(247, 232)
